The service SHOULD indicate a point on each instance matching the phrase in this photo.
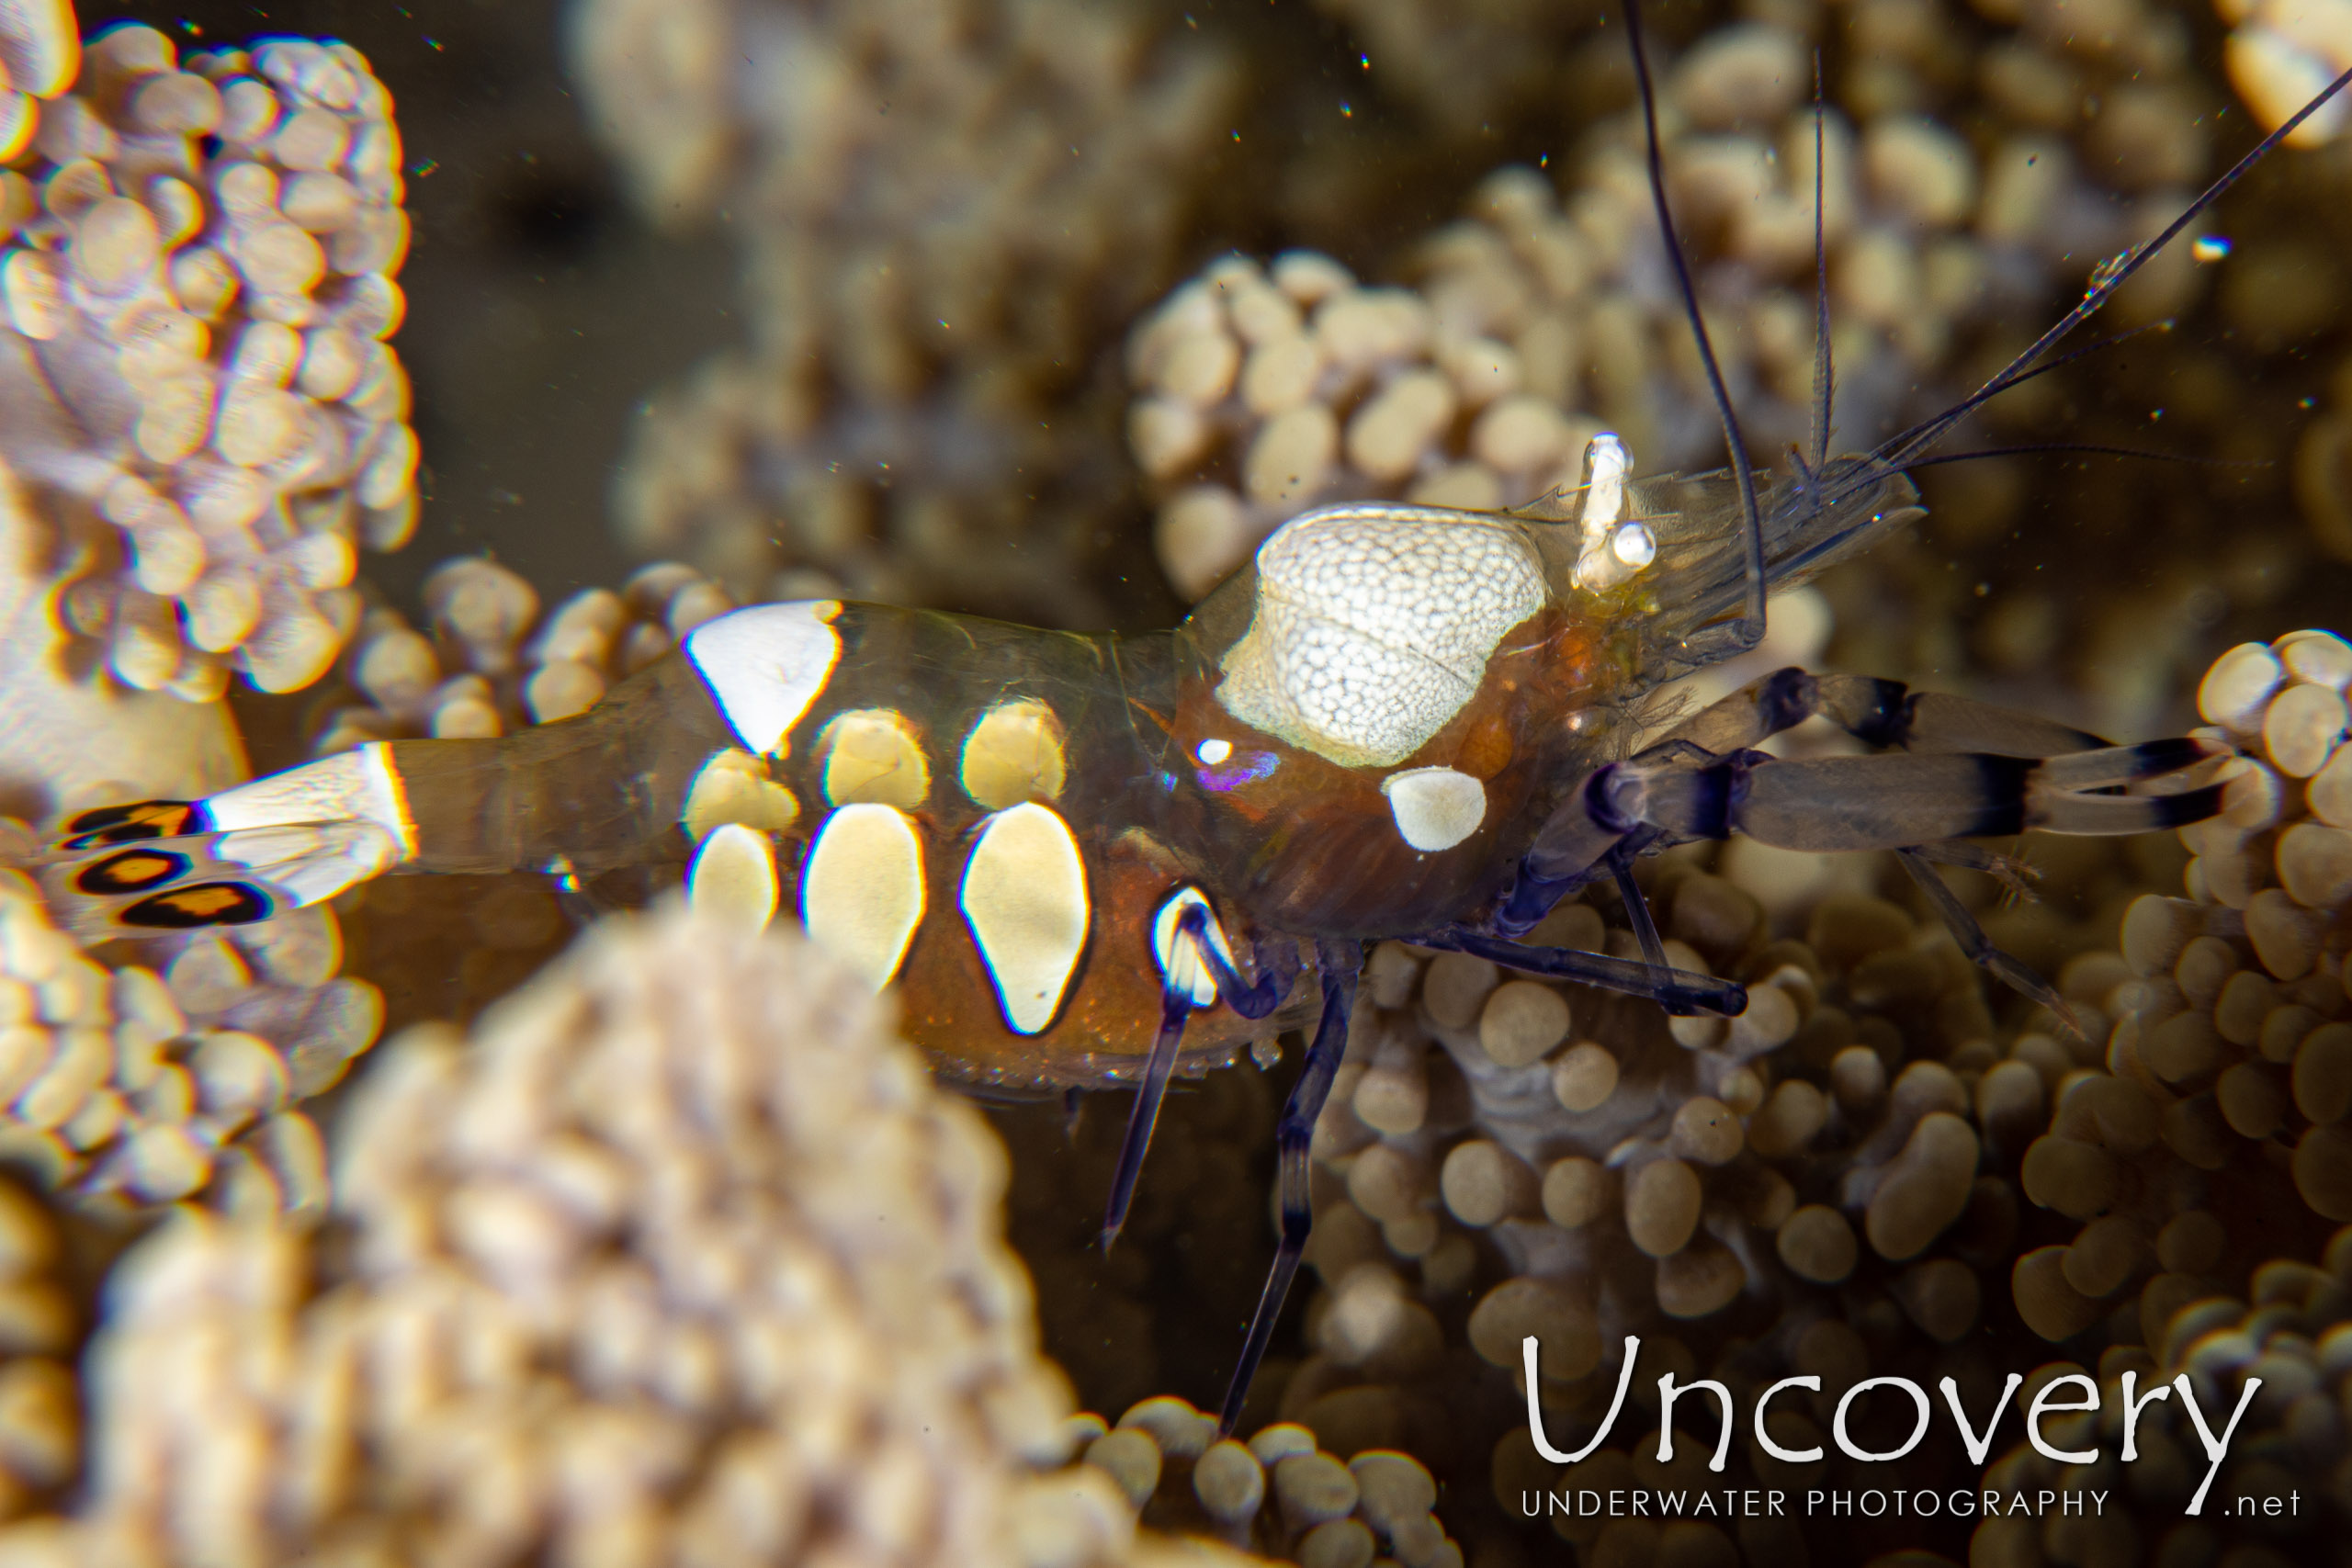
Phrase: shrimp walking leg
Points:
(1151, 1090)
(1676, 990)
(2010, 971)
(1339, 963)
(1250, 1000)
(1638, 910)
(2014, 874)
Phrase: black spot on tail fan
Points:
(131, 824)
(132, 870)
(201, 904)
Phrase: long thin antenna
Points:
(1824, 372)
(2096, 346)
(2088, 450)
(2105, 278)
(1748, 630)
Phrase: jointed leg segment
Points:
(1339, 963)
(1248, 999)
(1679, 991)
(1979, 947)
(1964, 770)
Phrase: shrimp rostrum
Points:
(1094, 861)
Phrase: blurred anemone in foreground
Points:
(682, 1259)
(40, 48)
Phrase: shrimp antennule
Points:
(1737, 636)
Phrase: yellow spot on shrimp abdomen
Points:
(1013, 754)
(872, 757)
(734, 786)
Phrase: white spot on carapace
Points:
(1212, 752)
(1373, 625)
(1025, 897)
(1180, 964)
(732, 878)
(1435, 808)
(873, 756)
(862, 893)
(767, 664)
(1013, 754)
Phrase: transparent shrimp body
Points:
(1375, 716)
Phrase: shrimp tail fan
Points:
(151, 867)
